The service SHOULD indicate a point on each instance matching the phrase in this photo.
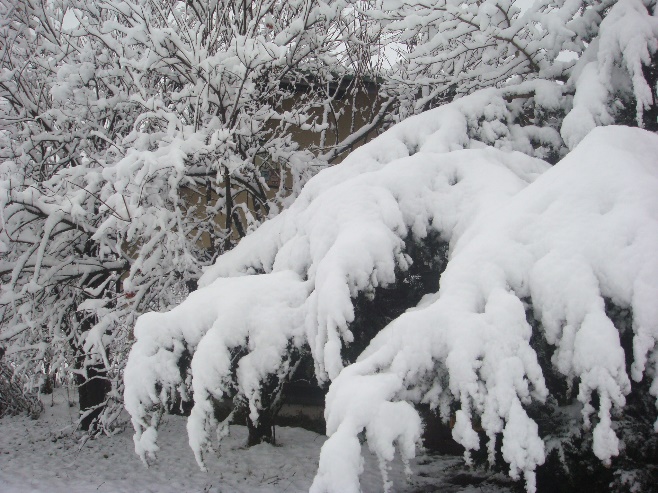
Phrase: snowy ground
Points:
(46, 456)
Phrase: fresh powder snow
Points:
(49, 456)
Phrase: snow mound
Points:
(584, 232)
(292, 282)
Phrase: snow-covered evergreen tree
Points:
(543, 325)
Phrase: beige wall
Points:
(354, 113)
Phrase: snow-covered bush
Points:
(544, 308)
(584, 232)
(557, 246)
(13, 398)
(346, 235)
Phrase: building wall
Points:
(353, 112)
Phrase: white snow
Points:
(344, 235)
(628, 36)
(46, 456)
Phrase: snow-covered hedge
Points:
(523, 238)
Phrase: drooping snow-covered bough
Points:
(522, 318)
(580, 239)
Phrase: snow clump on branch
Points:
(610, 72)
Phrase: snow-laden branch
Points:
(612, 69)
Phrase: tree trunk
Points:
(93, 385)
(263, 432)
(271, 399)
(92, 392)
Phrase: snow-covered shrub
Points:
(585, 232)
(13, 397)
(517, 253)
(517, 336)
(294, 282)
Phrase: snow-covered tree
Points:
(62, 115)
(135, 139)
(300, 241)
(594, 47)
(523, 325)
(448, 353)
